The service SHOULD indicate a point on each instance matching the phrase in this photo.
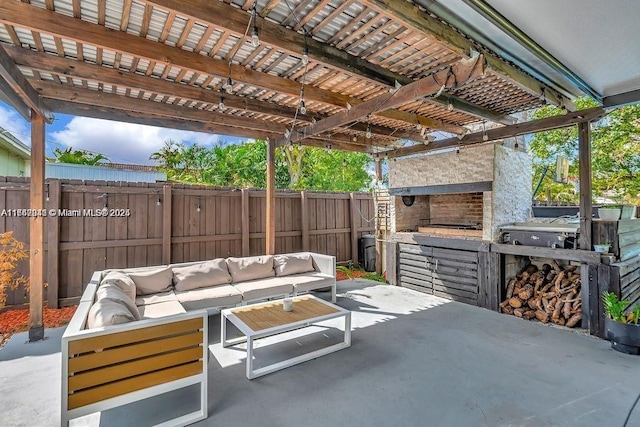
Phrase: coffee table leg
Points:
(223, 330)
(347, 329)
(250, 358)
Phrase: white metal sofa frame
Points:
(140, 359)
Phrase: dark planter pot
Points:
(624, 337)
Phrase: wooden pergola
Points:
(374, 76)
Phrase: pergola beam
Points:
(48, 22)
(460, 72)
(40, 61)
(234, 19)
(511, 131)
(121, 113)
(18, 91)
(434, 29)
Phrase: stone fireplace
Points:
(468, 193)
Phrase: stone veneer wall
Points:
(508, 169)
(472, 164)
(512, 187)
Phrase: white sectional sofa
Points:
(143, 331)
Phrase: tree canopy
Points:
(245, 165)
(615, 154)
(79, 157)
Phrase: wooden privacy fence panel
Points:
(153, 224)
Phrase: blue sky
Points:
(120, 142)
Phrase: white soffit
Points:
(596, 39)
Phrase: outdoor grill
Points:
(564, 236)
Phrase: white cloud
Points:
(124, 142)
(14, 123)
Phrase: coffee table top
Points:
(270, 315)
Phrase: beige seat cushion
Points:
(161, 309)
(286, 265)
(308, 281)
(264, 288)
(107, 312)
(156, 298)
(202, 275)
(123, 281)
(250, 268)
(152, 281)
(216, 296)
(113, 292)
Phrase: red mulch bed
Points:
(13, 321)
(355, 274)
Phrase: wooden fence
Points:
(153, 224)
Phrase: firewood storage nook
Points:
(447, 213)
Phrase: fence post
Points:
(166, 224)
(53, 243)
(245, 222)
(354, 229)
(304, 213)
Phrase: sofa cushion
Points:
(292, 264)
(202, 275)
(152, 281)
(250, 268)
(308, 281)
(123, 281)
(161, 309)
(114, 293)
(107, 312)
(216, 296)
(155, 298)
(264, 288)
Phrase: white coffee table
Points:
(268, 319)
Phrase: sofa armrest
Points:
(107, 367)
(325, 264)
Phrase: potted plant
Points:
(602, 247)
(609, 212)
(621, 324)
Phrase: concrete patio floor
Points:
(416, 360)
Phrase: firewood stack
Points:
(548, 294)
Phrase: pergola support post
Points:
(271, 198)
(586, 207)
(36, 229)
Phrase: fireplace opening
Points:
(441, 214)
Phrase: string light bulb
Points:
(329, 148)
(255, 40)
(305, 56)
(221, 105)
(450, 106)
(485, 137)
(344, 163)
(368, 133)
(158, 202)
(287, 133)
(303, 108)
(228, 85)
(516, 146)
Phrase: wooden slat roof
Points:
(165, 61)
